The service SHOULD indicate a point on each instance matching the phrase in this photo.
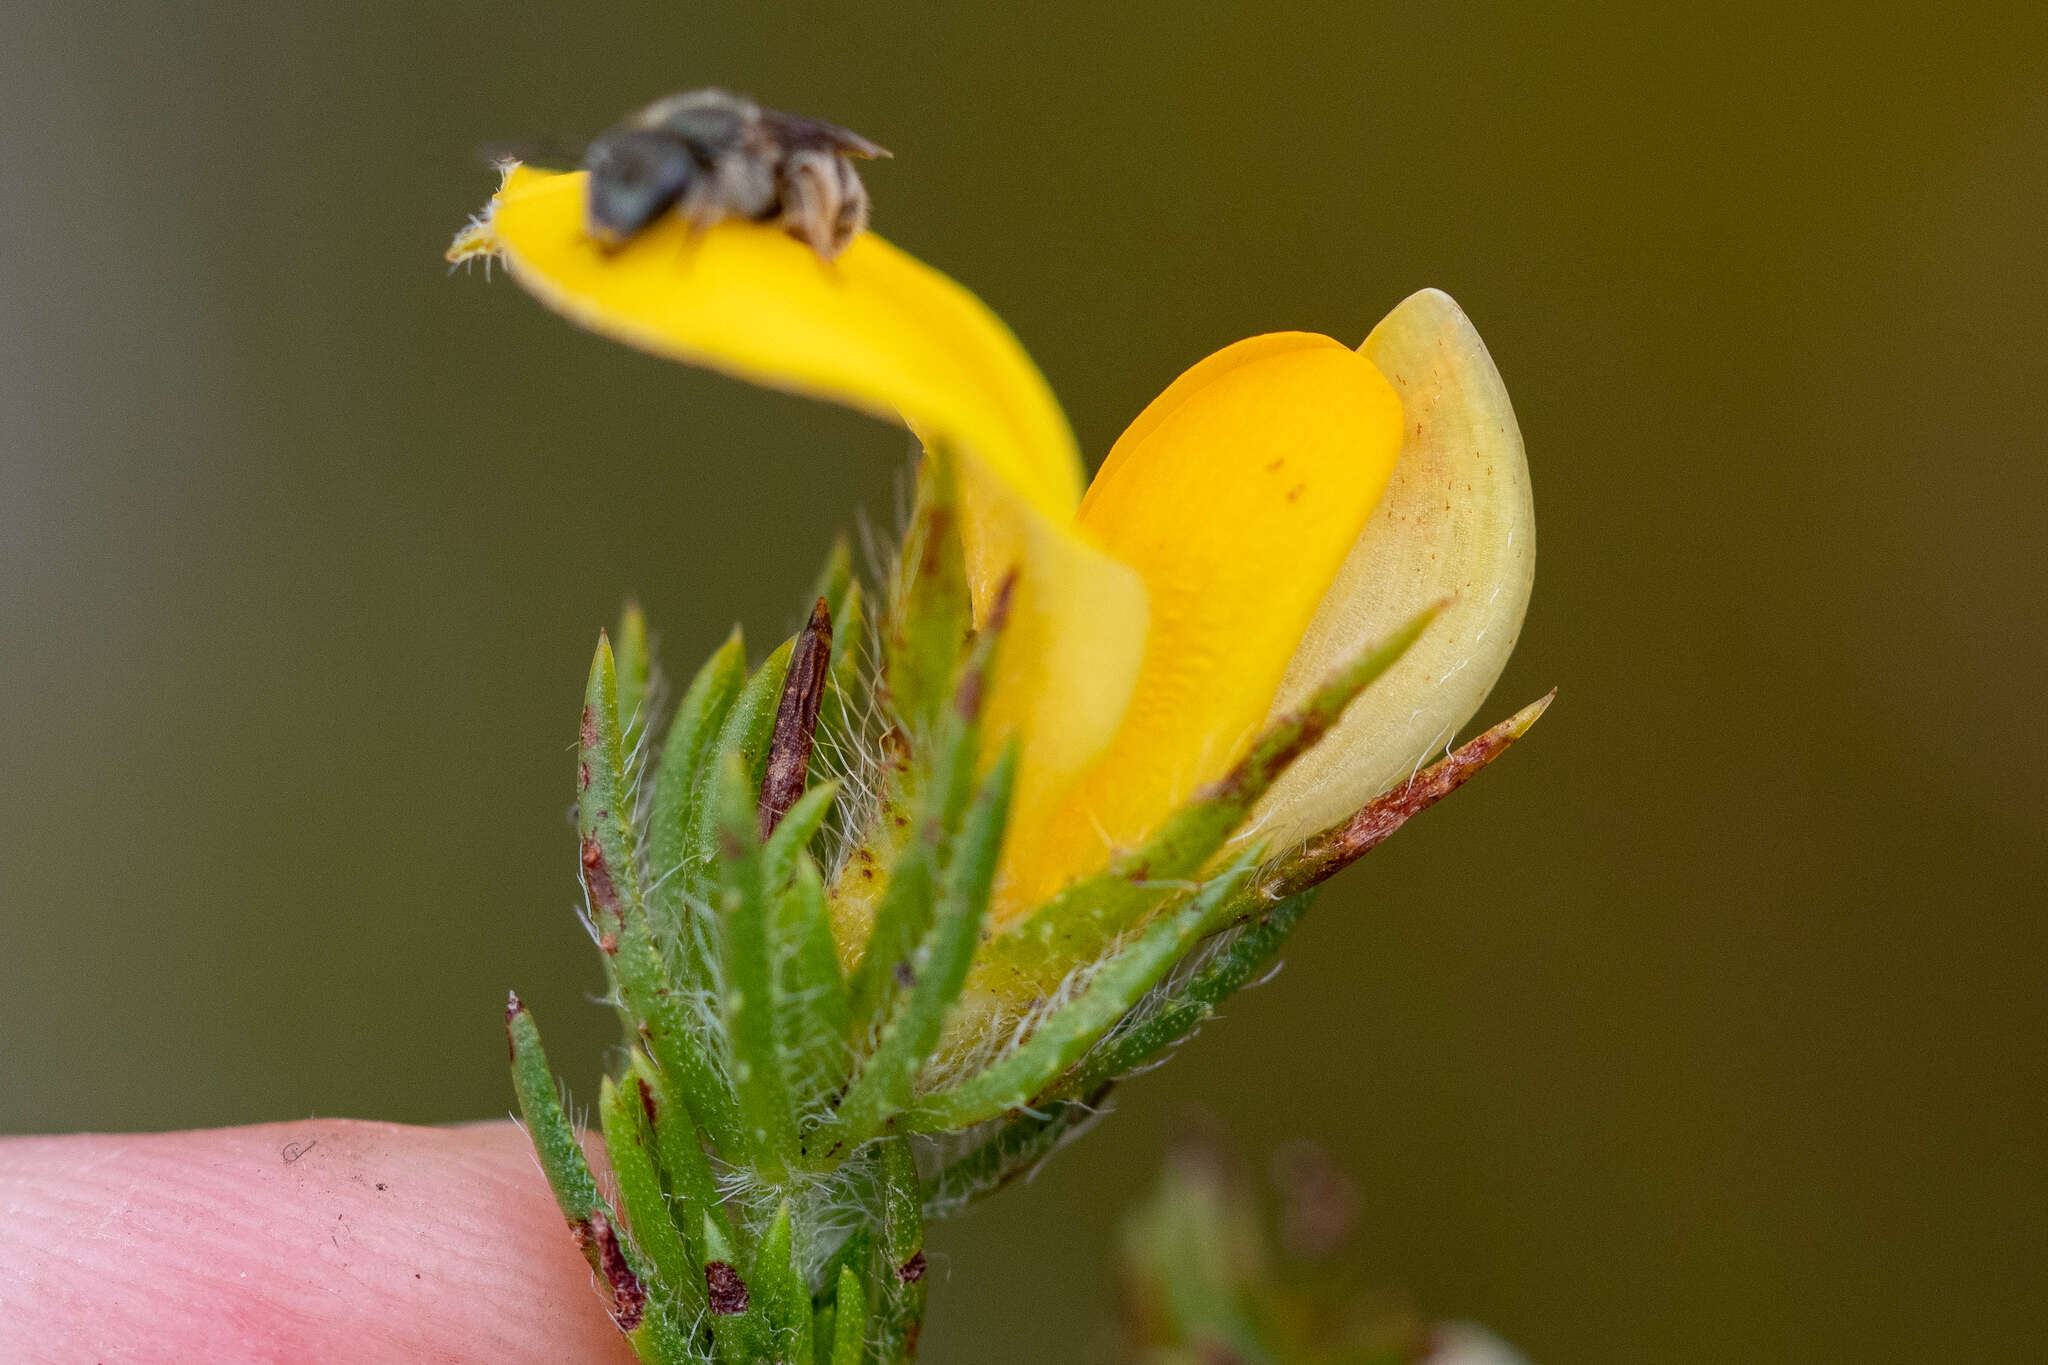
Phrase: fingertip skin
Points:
(329, 1240)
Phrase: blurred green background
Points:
(1708, 1027)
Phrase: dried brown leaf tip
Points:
(796, 719)
(1329, 852)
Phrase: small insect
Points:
(710, 156)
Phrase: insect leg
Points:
(810, 200)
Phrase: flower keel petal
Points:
(1457, 521)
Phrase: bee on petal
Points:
(709, 155)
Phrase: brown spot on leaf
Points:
(647, 1104)
(587, 732)
(725, 1290)
(912, 1270)
(629, 1296)
(597, 876)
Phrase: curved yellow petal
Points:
(1236, 497)
(876, 329)
(880, 331)
(1457, 521)
(1197, 377)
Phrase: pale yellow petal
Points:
(1236, 499)
(1457, 521)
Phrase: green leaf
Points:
(1014, 1149)
(626, 1138)
(900, 1286)
(840, 717)
(945, 781)
(635, 675)
(646, 1321)
(748, 729)
(903, 916)
(779, 1291)
(794, 834)
(1077, 924)
(930, 613)
(647, 1324)
(692, 1189)
(883, 1087)
(1234, 965)
(748, 1001)
(548, 1125)
(679, 776)
(850, 1320)
(1116, 986)
(810, 1006)
(611, 882)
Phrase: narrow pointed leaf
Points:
(692, 1190)
(612, 886)
(903, 917)
(794, 834)
(930, 615)
(654, 1232)
(1013, 1150)
(748, 1003)
(850, 1320)
(644, 1319)
(945, 782)
(548, 1126)
(898, 1310)
(749, 727)
(672, 811)
(1072, 1029)
(635, 669)
(1234, 965)
(784, 1302)
(810, 1006)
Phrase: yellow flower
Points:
(1280, 506)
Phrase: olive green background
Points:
(1708, 1027)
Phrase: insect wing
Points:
(796, 133)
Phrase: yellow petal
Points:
(880, 331)
(875, 329)
(1457, 520)
(1236, 497)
